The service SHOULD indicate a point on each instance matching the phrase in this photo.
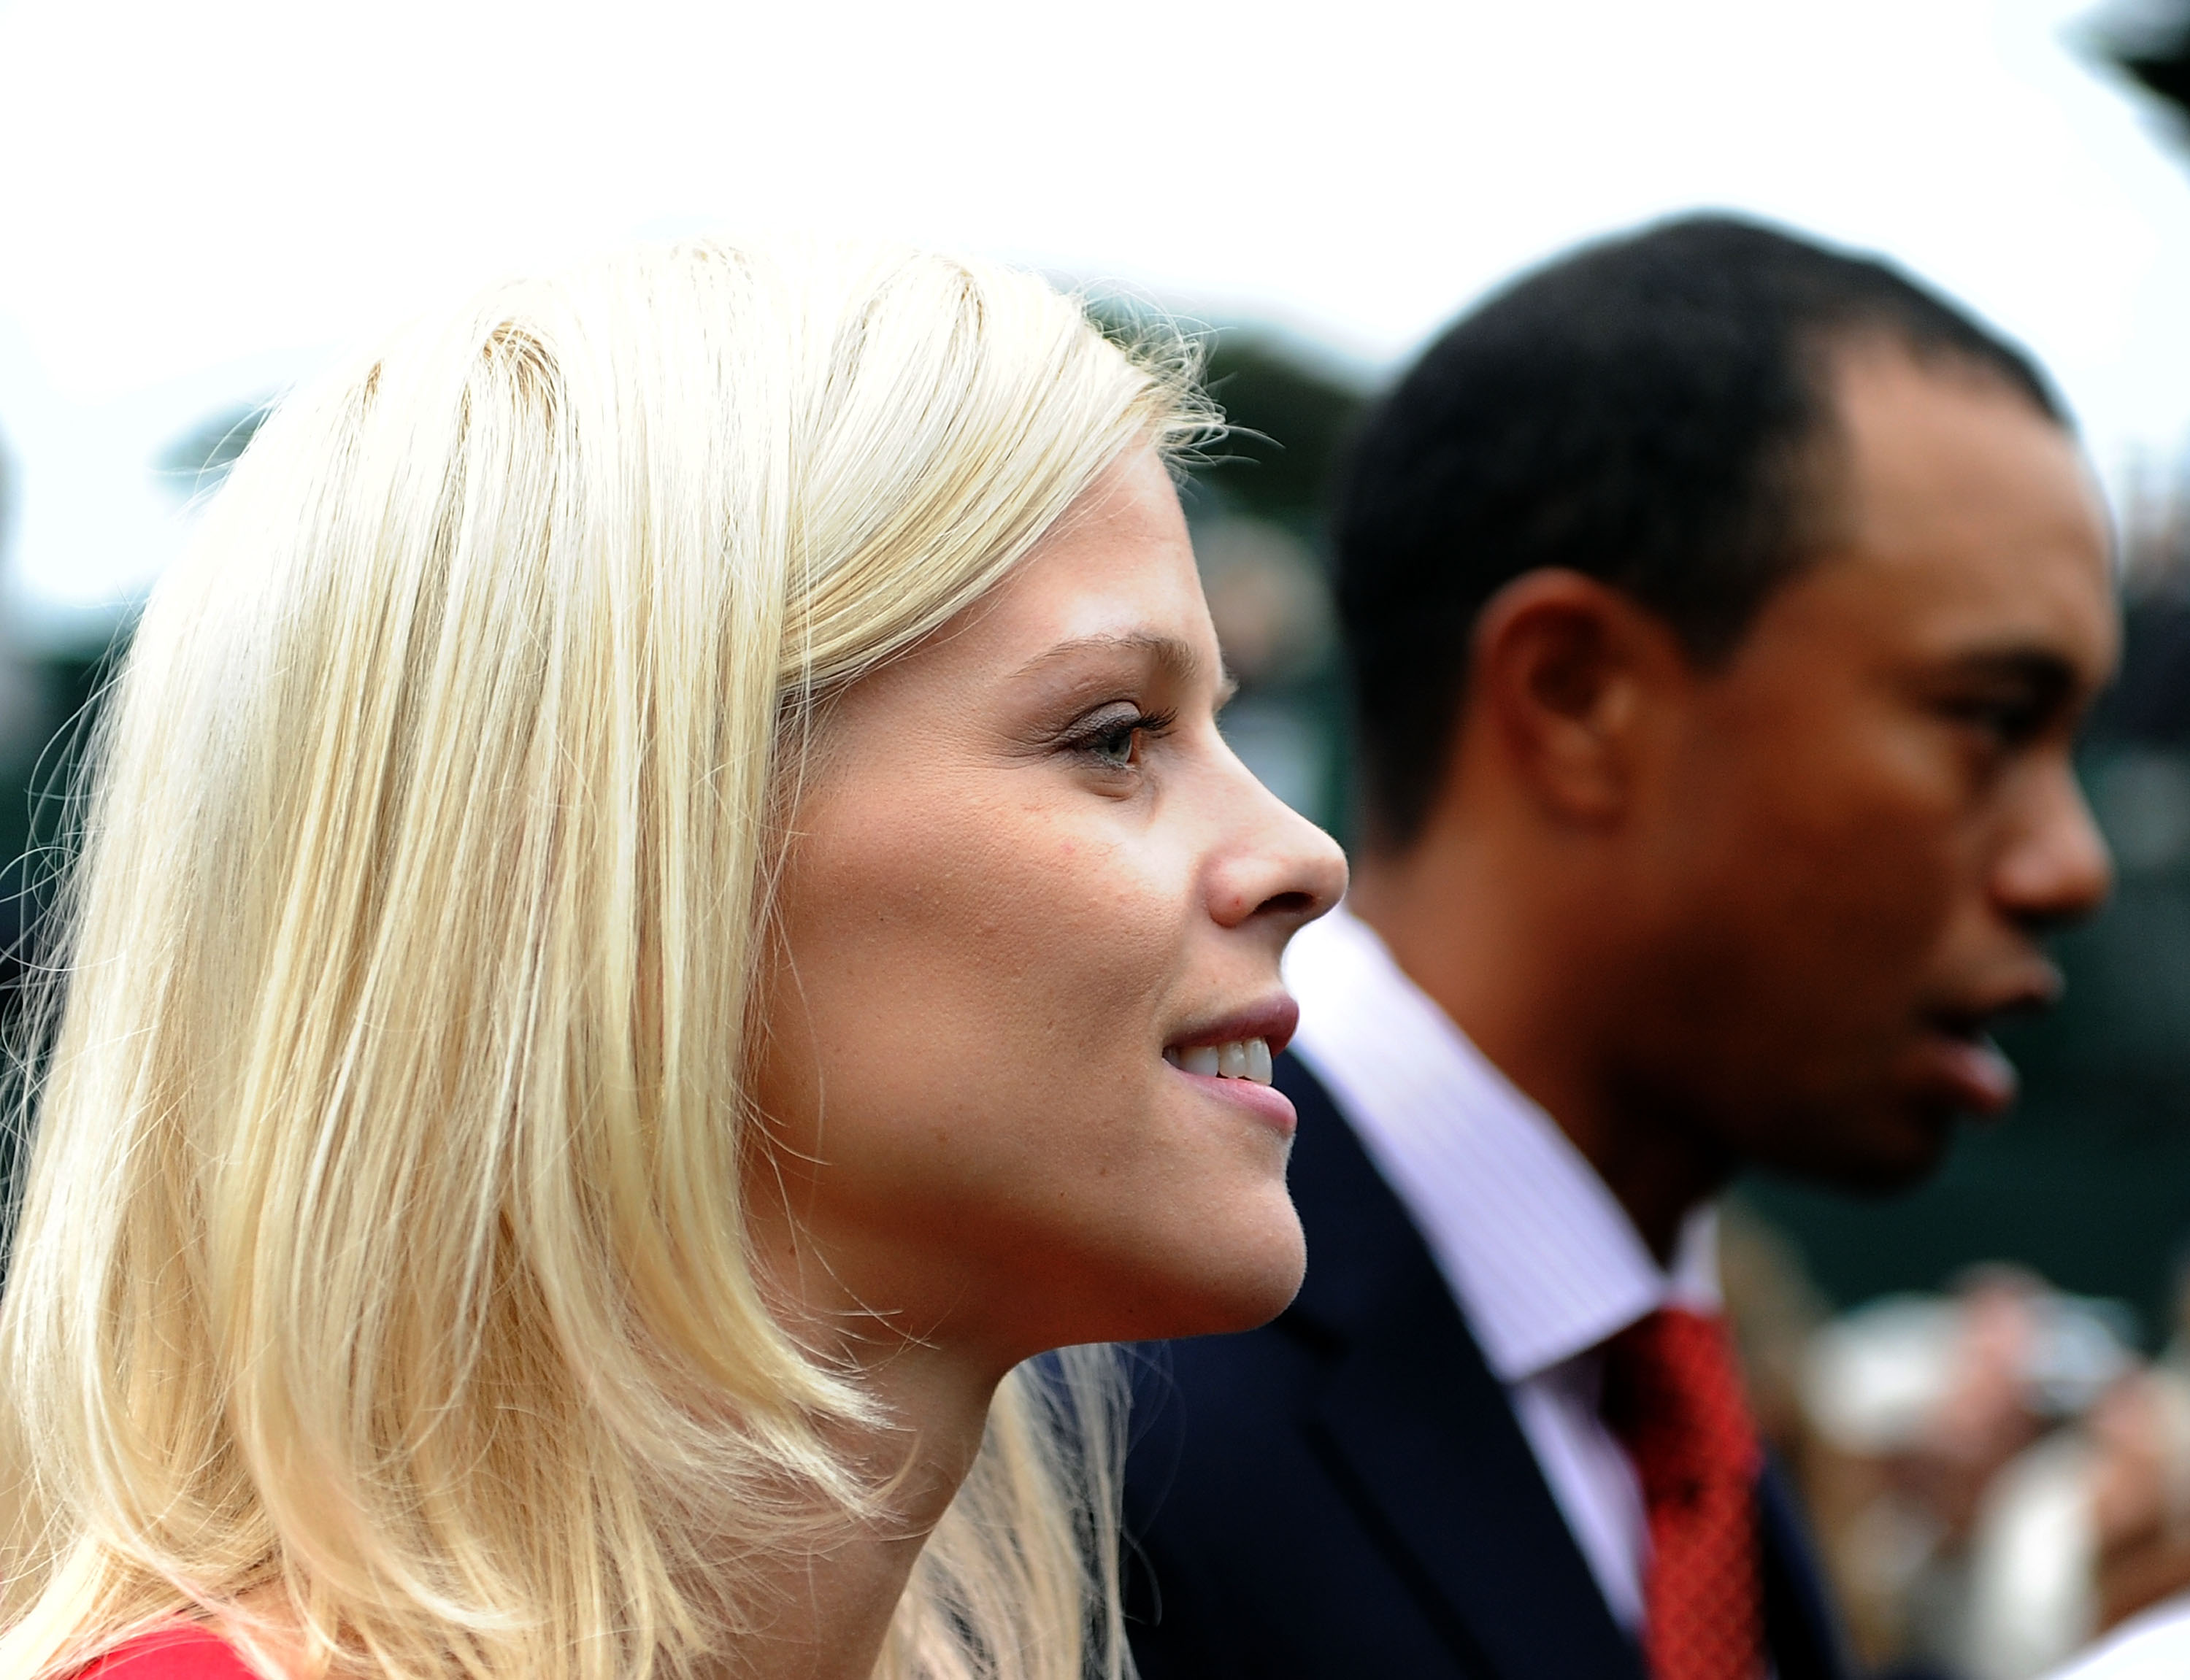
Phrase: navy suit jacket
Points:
(1346, 1494)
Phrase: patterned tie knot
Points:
(1672, 1395)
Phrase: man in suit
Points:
(1720, 610)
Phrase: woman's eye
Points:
(1116, 743)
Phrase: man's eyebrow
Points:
(1175, 659)
(2048, 673)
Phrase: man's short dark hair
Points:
(1654, 411)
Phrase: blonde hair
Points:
(382, 1245)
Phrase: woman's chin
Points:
(1270, 1293)
(1252, 1280)
(1202, 1281)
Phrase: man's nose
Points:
(2057, 868)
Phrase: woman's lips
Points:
(1231, 1058)
(1273, 1020)
(1267, 1103)
(1234, 1059)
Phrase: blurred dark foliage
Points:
(200, 459)
(1290, 413)
(53, 699)
(1260, 505)
(1291, 421)
(1258, 499)
(39, 759)
(2150, 700)
(41, 754)
(2156, 53)
(38, 767)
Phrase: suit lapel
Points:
(1799, 1623)
(1413, 1425)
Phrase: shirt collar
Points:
(1538, 1252)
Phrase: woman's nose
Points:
(1281, 866)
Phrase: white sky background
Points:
(196, 201)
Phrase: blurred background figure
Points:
(2000, 1475)
(1937, 1445)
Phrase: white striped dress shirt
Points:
(1542, 1259)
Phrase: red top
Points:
(188, 1652)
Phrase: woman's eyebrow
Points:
(1173, 658)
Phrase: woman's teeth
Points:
(1241, 1059)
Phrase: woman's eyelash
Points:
(1118, 732)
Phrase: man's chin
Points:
(1883, 1154)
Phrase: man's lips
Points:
(1954, 1061)
(1963, 1069)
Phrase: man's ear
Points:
(1568, 673)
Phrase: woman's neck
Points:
(825, 1617)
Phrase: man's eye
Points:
(2010, 723)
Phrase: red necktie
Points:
(1673, 1398)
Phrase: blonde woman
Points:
(662, 908)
